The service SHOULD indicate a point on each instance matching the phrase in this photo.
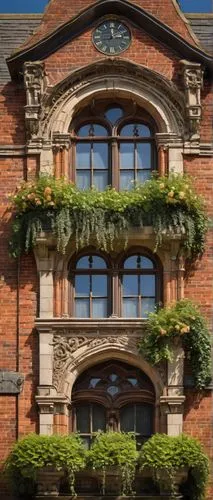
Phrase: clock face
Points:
(111, 37)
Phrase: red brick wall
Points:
(59, 12)
(143, 50)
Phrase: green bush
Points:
(115, 449)
(183, 322)
(168, 204)
(162, 452)
(34, 452)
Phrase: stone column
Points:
(45, 258)
(61, 147)
(172, 403)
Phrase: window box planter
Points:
(48, 481)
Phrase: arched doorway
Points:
(114, 396)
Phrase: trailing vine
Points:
(34, 452)
(115, 449)
(169, 204)
(166, 453)
(181, 322)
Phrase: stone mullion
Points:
(180, 278)
(162, 160)
(64, 295)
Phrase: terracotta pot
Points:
(48, 482)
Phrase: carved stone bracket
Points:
(11, 382)
(172, 405)
(34, 81)
(193, 81)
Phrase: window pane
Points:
(135, 129)
(83, 263)
(82, 285)
(91, 262)
(83, 179)
(113, 114)
(131, 262)
(130, 308)
(99, 285)
(92, 129)
(127, 419)
(99, 419)
(147, 306)
(146, 263)
(82, 308)
(144, 419)
(127, 155)
(130, 285)
(144, 155)
(99, 308)
(100, 179)
(83, 419)
(100, 155)
(83, 155)
(143, 176)
(98, 263)
(147, 286)
(126, 180)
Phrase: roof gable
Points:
(141, 18)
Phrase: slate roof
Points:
(202, 25)
(16, 28)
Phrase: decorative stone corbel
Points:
(34, 81)
(193, 81)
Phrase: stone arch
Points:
(72, 356)
(158, 95)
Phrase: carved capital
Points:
(192, 81)
(61, 141)
(172, 405)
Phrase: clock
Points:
(111, 37)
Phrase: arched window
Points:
(113, 396)
(101, 286)
(90, 287)
(112, 144)
(138, 286)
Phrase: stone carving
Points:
(11, 382)
(193, 81)
(34, 81)
(66, 347)
(166, 91)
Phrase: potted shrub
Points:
(41, 461)
(169, 459)
(114, 455)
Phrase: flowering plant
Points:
(180, 322)
(169, 204)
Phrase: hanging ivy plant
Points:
(170, 205)
(181, 322)
(115, 449)
(166, 453)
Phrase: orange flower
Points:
(185, 329)
(48, 198)
(181, 195)
(31, 196)
(171, 194)
(47, 191)
(162, 331)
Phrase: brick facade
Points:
(21, 159)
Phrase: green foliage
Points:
(162, 452)
(115, 449)
(183, 323)
(34, 452)
(170, 205)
